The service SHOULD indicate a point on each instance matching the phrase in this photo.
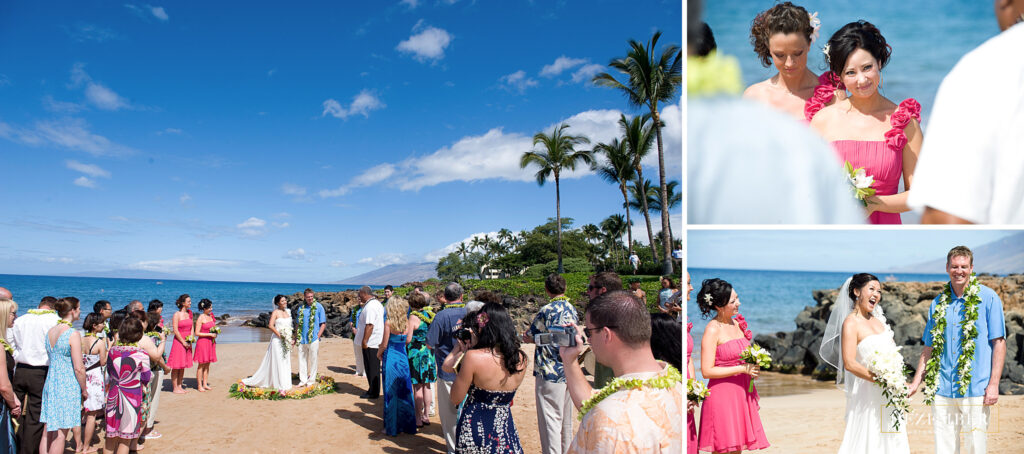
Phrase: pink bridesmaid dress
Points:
(691, 426)
(181, 356)
(206, 349)
(728, 418)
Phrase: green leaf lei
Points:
(64, 322)
(7, 346)
(128, 344)
(41, 311)
(671, 378)
(454, 305)
(426, 315)
(968, 331)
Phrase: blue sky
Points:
(250, 141)
(828, 250)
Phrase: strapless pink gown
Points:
(691, 425)
(729, 419)
(206, 349)
(181, 356)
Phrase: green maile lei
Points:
(671, 378)
(968, 331)
(152, 333)
(64, 322)
(454, 305)
(7, 346)
(42, 311)
(312, 320)
(560, 298)
(128, 344)
(426, 315)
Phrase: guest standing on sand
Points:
(601, 283)
(65, 387)
(399, 408)
(154, 332)
(441, 338)
(728, 418)
(311, 323)
(181, 347)
(128, 371)
(10, 406)
(422, 367)
(372, 317)
(28, 336)
(94, 357)
(357, 335)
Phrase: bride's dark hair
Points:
(278, 298)
(858, 282)
(719, 292)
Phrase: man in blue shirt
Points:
(953, 411)
(441, 338)
(311, 322)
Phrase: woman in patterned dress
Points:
(65, 387)
(128, 371)
(422, 365)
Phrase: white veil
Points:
(831, 350)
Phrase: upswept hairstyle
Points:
(783, 18)
(858, 282)
(180, 302)
(91, 322)
(495, 330)
(65, 306)
(853, 36)
(719, 291)
(205, 304)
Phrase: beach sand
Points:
(213, 422)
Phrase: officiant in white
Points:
(962, 360)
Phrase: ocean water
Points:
(927, 37)
(771, 300)
(239, 299)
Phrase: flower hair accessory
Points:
(707, 298)
(825, 50)
(481, 320)
(815, 25)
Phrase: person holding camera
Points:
(642, 409)
(441, 338)
(490, 366)
(554, 406)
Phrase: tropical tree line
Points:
(649, 77)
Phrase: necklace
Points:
(7, 346)
(968, 332)
(41, 311)
(64, 322)
(671, 378)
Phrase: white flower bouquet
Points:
(860, 183)
(215, 330)
(755, 354)
(890, 374)
(696, 390)
(286, 337)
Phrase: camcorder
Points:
(557, 336)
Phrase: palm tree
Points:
(462, 250)
(639, 138)
(618, 170)
(640, 191)
(477, 243)
(650, 78)
(674, 200)
(614, 227)
(505, 238)
(558, 153)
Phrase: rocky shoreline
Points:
(906, 307)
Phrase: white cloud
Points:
(174, 131)
(89, 32)
(293, 189)
(96, 93)
(296, 254)
(253, 227)
(271, 72)
(412, 4)
(587, 72)
(390, 258)
(338, 192)
(85, 182)
(53, 105)
(159, 13)
(70, 133)
(362, 104)
(282, 215)
(338, 264)
(369, 177)
(281, 225)
(517, 81)
(89, 169)
(437, 254)
(58, 260)
(146, 11)
(184, 198)
(184, 263)
(428, 44)
(672, 142)
(561, 64)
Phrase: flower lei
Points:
(64, 322)
(671, 378)
(7, 346)
(312, 319)
(41, 311)
(968, 331)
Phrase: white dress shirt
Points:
(28, 336)
(972, 159)
(372, 313)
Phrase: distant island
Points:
(393, 274)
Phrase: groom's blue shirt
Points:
(310, 334)
(990, 324)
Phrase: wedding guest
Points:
(29, 339)
(181, 345)
(634, 260)
(156, 306)
(389, 291)
(728, 418)
(134, 305)
(668, 287)
(102, 307)
(634, 286)
(491, 368)
(10, 405)
(116, 318)
(601, 283)
(962, 407)
(422, 366)
(782, 35)
(441, 338)
(975, 133)
(312, 321)
(5, 294)
(156, 335)
(65, 388)
(94, 357)
(357, 334)
(691, 425)
(399, 408)
(554, 406)
(643, 419)
(155, 362)
(372, 319)
(866, 129)
(206, 344)
(128, 371)
(667, 340)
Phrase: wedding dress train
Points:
(276, 369)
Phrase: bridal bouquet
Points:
(190, 339)
(754, 354)
(696, 390)
(890, 374)
(215, 330)
(286, 336)
(860, 183)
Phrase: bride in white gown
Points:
(276, 369)
(856, 331)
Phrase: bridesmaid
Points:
(782, 35)
(867, 129)
(729, 421)
(10, 407)
(206, 346)
(65, 387)
(128, 371)
(181, 349)
(399, 409)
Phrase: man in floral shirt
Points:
(554, 406)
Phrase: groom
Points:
(311, 322)
(962, 404)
